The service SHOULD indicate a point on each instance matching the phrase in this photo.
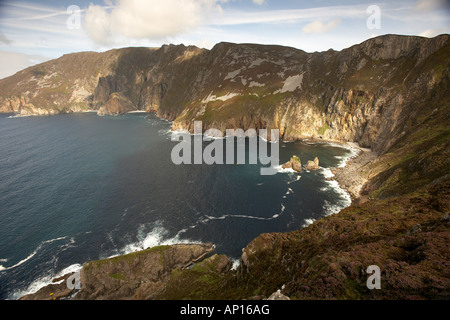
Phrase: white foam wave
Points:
(332, 185)
(308, 222)
(281, 170)
(156, 237)
(207, 218)
(352, 148)
(331, 209)
(236, 263)
(326, 172)
(165, 132)
(31, 255)
(236, 216)
(242, 216)
(297, 178)
(219, 137)
(17, 116)
(288, 192)
(267, 141)
(343, 202)
(46, 280)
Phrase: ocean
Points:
(79, 187)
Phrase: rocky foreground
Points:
(406, 237)
(138, 275)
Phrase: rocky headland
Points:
(388, 94)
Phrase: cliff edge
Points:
(389, 94)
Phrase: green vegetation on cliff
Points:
(406, 236)
(388, 93)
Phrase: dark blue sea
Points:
(80, 187)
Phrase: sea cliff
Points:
(388, 94)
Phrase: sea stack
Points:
(294, 164)
(313, 165)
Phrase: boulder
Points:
(312, 165)
(294, 164)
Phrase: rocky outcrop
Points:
(405, 236)
(117, 103)
(139, 275)
(294, 163)
(57, 290)
(278, 296)
(329, 259)
(312, 165)
(369, 93)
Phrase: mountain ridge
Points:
(330, 95)
(388, 93)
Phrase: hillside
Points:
(371, 93)
(389, 94)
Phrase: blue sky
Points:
(36, 31)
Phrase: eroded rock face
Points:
(57, 290)
(294, 163)
(116, 104)
(313, 165)
(139, 275)
(369, 93)
(328, 259)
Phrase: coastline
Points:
(351, 176)
(351, 161)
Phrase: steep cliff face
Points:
(63, 85)
(367, 93)
(388, 93)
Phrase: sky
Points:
(32, 32)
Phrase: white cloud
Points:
(204, 43)
(259, 2)
(4, 39)
(318, 26)
(235, 17)
(429, 5)
(430, 33)
(147, 19)
(11, 62)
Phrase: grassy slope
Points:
(401, 230)
(406, 236)
(422, 154)
(404, 229)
